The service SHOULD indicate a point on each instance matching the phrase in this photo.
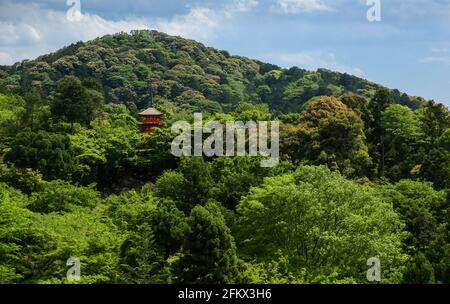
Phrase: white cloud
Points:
(7, 33)
(436, 59)
(439, 54)
(440, 49)
(240, 6)
(29, 30)
(199, 23)
(18, 33)
(302, 6)
(313, 60)
(202, 23)
(5, 58)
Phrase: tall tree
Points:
(197, 174)
(379, 103)
(49, 153)
(329, 133)
(403, 140)
(436, 119)
(73, 102)
(208, 252)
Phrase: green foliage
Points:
(399, 122)
(234, 177)
(144, 65)
(248, 112)
(11, 109)
(86, 235)
(154, 153)
(375, 132)
(419, 271)
(15, 222)
(425, 213)
(79, 179)
(171, 184)
(49, 153)
(197, 175)
(270, 272)
(436, 167)
(132, 209)
(402, 137)
(329, 133)
(73, 102)
(27, 181)
(208, 254)
(436, 119)
(321, 222)
(59, 196)
(140, 259)
(34, 248)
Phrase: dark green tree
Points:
(140, 259)
(419, 271)
(49, 153)
(375, 132)
(59, 196)
(197, 189)
(75, 103)
(435, 119)
(208, 254)
(436, 167)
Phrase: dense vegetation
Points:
(365, 172)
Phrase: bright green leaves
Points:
(320, 222)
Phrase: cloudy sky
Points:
(408, 49)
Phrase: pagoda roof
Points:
(151, 112)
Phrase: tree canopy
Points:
(364, 171)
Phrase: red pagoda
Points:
(152, 119)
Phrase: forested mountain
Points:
(133, 68)
(365, 172)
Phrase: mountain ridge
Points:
(144, 65)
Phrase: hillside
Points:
(364, 172)
(134, 68)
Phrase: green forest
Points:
(364, 172)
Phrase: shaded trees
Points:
(375, 132)
(75, 103)
(208, 254)
(49, 153)
(425, 214)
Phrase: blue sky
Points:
(408, 49)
